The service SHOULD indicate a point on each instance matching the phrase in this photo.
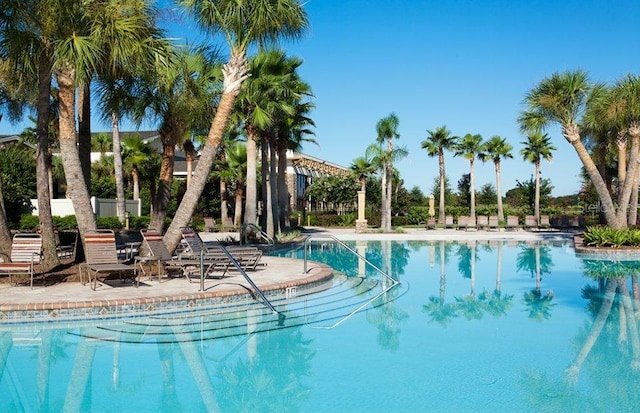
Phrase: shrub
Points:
(418, 215)
(347, 220)
(399, 221)
(67, 222)
(28, 222)
(601, 236)
(108, 223)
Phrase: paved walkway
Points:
(69, 300)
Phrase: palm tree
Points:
(236, 172)
(562, 98)
(26, 62)
(496, 149)
(362, 168)
(180, 95)
(242, 24)
(439, 141)
(387, 130)
(537, 147)
(469, 147)
(135, 154)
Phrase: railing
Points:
(259, 232)
(256, 289)
(393, 282)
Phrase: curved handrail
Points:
(394, 282)
(257, 290)
(261, 233)
(308, 240)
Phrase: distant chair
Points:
(471, 224)
(483, 222)
(210, 225)
(65, 246)
(544, 221)
(26, 253)
(494, 223)
(513, 222)
(463, 221)
(530, 222)
(448, 221)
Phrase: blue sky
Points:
(465, 64)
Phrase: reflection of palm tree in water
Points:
(438, 310)
(496, 303)
(626, 322)
(537, 261)
(469, 305)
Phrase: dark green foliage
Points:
(18, 175)
(464, 190)
(416, 197)
(523, 195)
(487, 195)
(65, 223)
(418, 215)
(339, 190)
(28, 222)
(449, 196)
(108, 223)
(400, 221)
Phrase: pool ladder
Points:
(393, 282)
(256, 289)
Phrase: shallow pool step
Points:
(325, 307)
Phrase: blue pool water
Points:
(471, 327)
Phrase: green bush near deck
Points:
(601, 236)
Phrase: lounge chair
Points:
(471, 224)
(66, 250)
(158, 253)
(26, 253)
(483, 222)
(494, 223)
(448, 221)
(530, 222)
(512, 222)
(210, 224)
(544, 221)
(248, 257)
(463, 221)
(102, 258)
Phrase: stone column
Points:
(361, 222)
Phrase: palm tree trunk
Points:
(273, 186)
(251, 203)
(84, 133)
(499, 192)
(283, 189)
(621, 144)
(117, 166)
(572, 134)
(5, 233)
(383, 206)
(224, 209)
(472, 190)
(441, 211)
(633, 203)
(264, 171)
(163, 192)
(69, 152)
(43, 161)
(536, 202)
(237, 218)
(235, 71)
(135, 177)
(630, 181)
(388, 198)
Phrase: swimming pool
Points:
(475, 326)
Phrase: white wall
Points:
(101, 207)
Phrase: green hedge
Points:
(600, 236)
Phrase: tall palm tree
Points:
(243, 24)
(469, 147)
(135, 154)
(562, 98)
(497, 149)
(387, 131)
(362, 168)
(180, 95)
(536, 148)
(26, 69)
(439, 141)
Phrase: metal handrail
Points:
(236, 264)
(308, 240)
(394, 282)
(258, 231)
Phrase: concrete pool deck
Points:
(73, 300)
